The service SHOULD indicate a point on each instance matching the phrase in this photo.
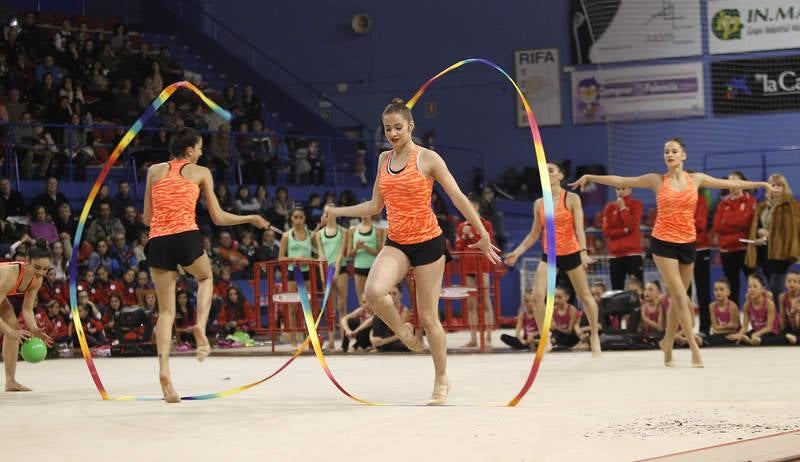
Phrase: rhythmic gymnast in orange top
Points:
(169, 209)
(570, 252)
(404, 184)
(673, 238)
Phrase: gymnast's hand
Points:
(46, 338)
(580, 183)
(327, 214)
(488, 249)
(586, 260)
(19, 334)
(511, 258)
(259, 222)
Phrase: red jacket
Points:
(221, 289)
(57, 291)
(462, 243)
(246, 323)
(701, 223)
(59, 328)
(732, 221)
(621, 228)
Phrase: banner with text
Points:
(537, 74)
(736, 26)
(745, 86)
(606, 31)
(638, 93)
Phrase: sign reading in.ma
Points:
(737, 26)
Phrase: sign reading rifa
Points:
(536, 57)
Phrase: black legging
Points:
(565, 340)
(621, 267)
(513, 342)
(770, 339)
(718, 340)
(732, 268)
(702, 280)
(362, 338)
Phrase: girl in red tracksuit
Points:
(52, 289)
(731, 223)
(466, 236)
(621, 230)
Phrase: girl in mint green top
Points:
(366, 240)
(295, 243)
(332, 242)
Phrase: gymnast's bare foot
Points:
(410, 340)
(203, 347)
(596, 351)
(667, 349)
(14, 387)
(441, 387)
(170, 395)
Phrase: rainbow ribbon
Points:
(549, 217)
(73, 294)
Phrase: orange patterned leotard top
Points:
(676, 209)
(174, 199)
(407, 195)
(566, 240)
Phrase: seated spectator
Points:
(282, 207)
(653, 316)
(526, 330)
(93, 329)
(123, 199)
(66, 223)
(269, 248)
(790, 307)
(381, 336)
(133, 227)
(236, 315)
(356, 326)
(48, 66)
(759, 315)
(138, 250)
(185, 318)
(12, 203)
(219, 152)
(122, 253)
(110, 316)
(724, 314)
(229, 254)
(102, 257)
(313, 211)
(41, 147)
(53, 289)
(42, 226)
(59, 327)
(126, 288)
(62, 252)
(89, 289)
(105, 226)
(564, 318)
(245, 203)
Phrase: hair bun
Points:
(398, 101)
(42, 244)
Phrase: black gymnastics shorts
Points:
(362, 271)
(566, 262)
(684, 253)
(425, 252)
(167, 252)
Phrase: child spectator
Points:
(724, 315)
(526, 329)
(759, 315)
(790, 307)
(356, 326)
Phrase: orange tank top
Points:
(21, 266)
(676, 209)
(566, 240)
(174, 199)
(407, 195)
